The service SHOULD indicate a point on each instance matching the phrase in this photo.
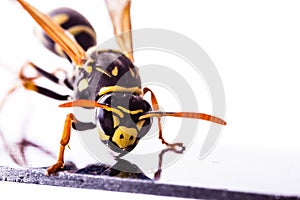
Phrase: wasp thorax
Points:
(119, 125)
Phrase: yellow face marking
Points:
(80, 28)
(115, 71)
(89, 69)
(61, 18)
(83, 84)
(103, 71)
(116, 121)
(133, 112)
(140, 124)
(124, 136)
(102, 136)
(105, 90)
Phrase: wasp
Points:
(105, 80)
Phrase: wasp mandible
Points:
(104, 80)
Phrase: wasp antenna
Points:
(192, 115)
(84, 103)
(56, 33)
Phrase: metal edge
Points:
(101, 182)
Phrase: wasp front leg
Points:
(158, 172)
(70, 122)
(63, 142)
(155, 107)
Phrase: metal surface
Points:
(101, 182)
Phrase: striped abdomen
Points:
(76, 25)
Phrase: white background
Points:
(255, 47)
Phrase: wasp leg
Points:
(28, 82)
(9, 92)
(29, 85)
(157, 174)
(63, 142)
(42, 73)
(26, 143)
(155, 107)
(71, 121)
(16, 151)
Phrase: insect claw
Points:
(177, 147)
(157, 174)
(54, 168)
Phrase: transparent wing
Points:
(57, 34)
(119, 11)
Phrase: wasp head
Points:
(119, 126)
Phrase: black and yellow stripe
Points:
(76, 25)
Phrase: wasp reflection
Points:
(123, 168)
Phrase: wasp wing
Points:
(57, 34)
(119, 11)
